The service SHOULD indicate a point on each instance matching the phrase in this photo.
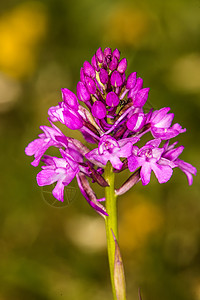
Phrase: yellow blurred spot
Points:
(126, 26)
(185, 73)
(139, 220)
(20, 32)
(86, 232)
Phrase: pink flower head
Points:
(108, 110)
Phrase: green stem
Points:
(111, 221)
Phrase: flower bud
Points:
(82, 92)
(139, 84)
(132, 93)
(98, 110)
(103, 75)
(141, 97)
(131, 81)
(112, 99)
(116, 53)
(116, 79)
(136, 122)
(94, 62)
(72, 121)
(70, 98)
(99, 55)
(82, 75)
(90, 84)
(107, 51)
(122, 66)
(113, 64)
(88, 69)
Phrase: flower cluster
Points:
(112, 118)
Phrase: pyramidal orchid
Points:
(108, 110)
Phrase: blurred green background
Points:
(52, 253)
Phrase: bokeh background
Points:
(50, 251)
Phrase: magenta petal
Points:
(131, 81)
(116, 162)
(125, 150)
(158, 115)
(46, 177)
(189, 177)
(178, 127)
(145, 173)
(133, 163)
(184, 166)
(174, 153)
(187, 168)
(163, 173)
(154, 143)
(136, 122)
(72, 121)
(141, 97)
(139, 84)
(166, 121)
(163, 133)
(58, 191)
(33, 147)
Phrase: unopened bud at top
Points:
(99, 55)
(116, 53)
(122, 66)
(88, 69)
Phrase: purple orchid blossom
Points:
(60, 170)
(47, 139)
(110, 150)
(172, 154)
(114, 121)
(160, 124)
(149, 158)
